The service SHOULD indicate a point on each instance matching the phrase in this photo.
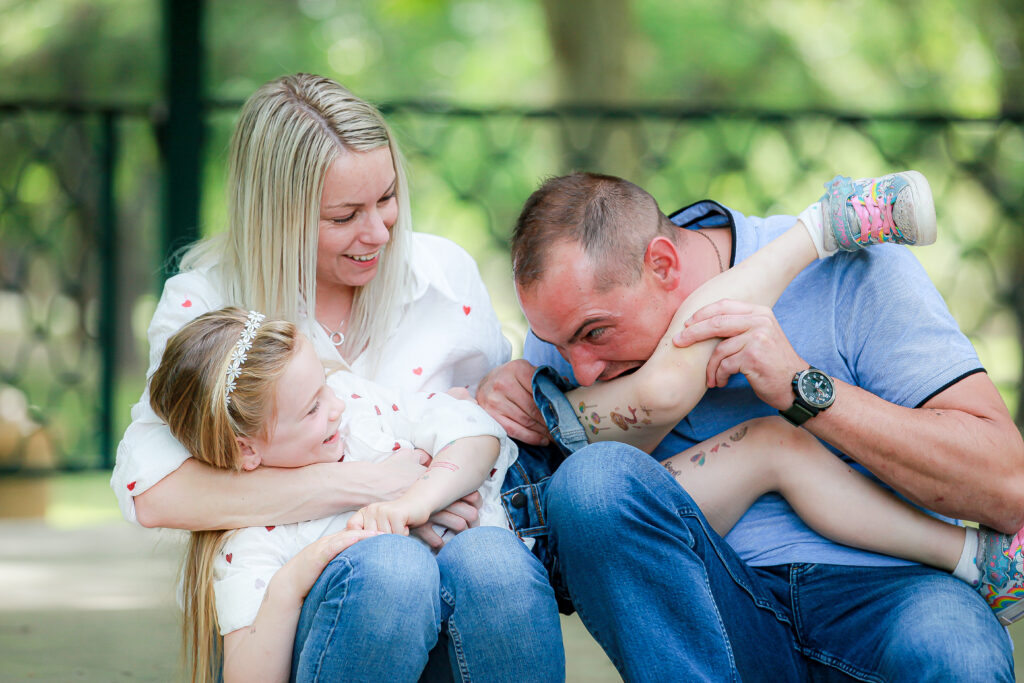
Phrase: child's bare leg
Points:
(724, 475)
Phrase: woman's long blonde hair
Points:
(288, 134)
(187, 392)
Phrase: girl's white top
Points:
(376, 422)
(448, 336)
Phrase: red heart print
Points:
(417, 371)
(131, 486)
(187, 303)
(356, 396)
(377, 408)
(431, 395)
(270, 528)
(228, 557)
(467, 309)
(396, 446)
(493, 471)
(394, 407)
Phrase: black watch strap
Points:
(798, 413)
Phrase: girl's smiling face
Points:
(307, 415)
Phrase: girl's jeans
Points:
(378, 610)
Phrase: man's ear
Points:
(662, 260)
(250, 458)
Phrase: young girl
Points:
(726, 474)
(241, 392)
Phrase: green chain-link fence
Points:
(81, 261)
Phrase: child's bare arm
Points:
(262, 651)
(455, 471)
(641, 408)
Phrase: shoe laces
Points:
(874, 215)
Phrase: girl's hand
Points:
(389, 517)
(293, 581)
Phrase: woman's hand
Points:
(390, 517)
(395, 474)
(461, 515)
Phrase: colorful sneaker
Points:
(1001, 561)
(895, 208)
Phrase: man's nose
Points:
(585, 365)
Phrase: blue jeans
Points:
(382, 607)
(668, 599)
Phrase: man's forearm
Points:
(959, 455)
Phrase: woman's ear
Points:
(250, 458)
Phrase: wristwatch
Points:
(813, 391)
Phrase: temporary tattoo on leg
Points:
(672, 469)
(624, 423)
(739, 434)
(699, 457)
(443, 465)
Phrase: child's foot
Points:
(1000, 560)
(894, 208)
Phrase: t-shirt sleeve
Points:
(894, 330)
(147, 452)
(242, 570)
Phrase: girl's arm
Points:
(263, 650)
(456, 470)
(641, 408)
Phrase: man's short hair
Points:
(612, 219)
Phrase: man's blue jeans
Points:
(669, 600)
(482, 609)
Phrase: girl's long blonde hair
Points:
(288, 134)
(187, 392)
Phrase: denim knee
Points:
(489, 558)
(597, 484)
(388, 570)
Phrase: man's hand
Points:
(752, 344)
(506, 393)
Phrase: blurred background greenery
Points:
(754, 104)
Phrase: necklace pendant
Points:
(337, 338)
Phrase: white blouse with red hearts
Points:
(449, 336)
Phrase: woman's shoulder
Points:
(441, 249)
(444, 264)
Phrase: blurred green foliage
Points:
(874, 59)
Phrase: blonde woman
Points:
(318, 234)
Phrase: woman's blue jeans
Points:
(482, 609)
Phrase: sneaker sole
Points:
(924, 207)
(1011, 614)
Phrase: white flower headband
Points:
(252, 324)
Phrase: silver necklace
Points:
(337, 337)
(721, 263)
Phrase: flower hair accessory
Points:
(238, 355)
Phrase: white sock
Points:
(812, 219)
(966, 569)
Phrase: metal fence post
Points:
(182, 141)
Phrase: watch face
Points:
(816, 388)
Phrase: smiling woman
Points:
(319, 236)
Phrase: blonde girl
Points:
(242, 393)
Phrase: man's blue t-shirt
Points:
(870, 318)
